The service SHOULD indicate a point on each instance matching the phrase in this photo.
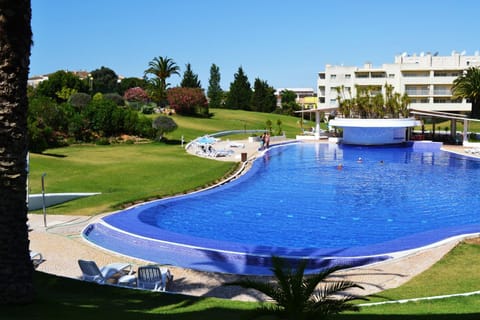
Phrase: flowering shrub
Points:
(136, 94)
(188, 101)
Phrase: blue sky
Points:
(283, 42)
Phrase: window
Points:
(348, 76)
(333, 76)
(321, 75)
(361, 74)
(442, 73)
(416, 74)
(442, 90)
(378, 74)
(413, 90)
(391, 75)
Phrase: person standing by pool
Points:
(262, 141)
(267, 140)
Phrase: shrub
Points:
(136, 94)
(147, 109)
(188, 101)
(102, 142)
(144, 128)
(80, 100)
(163, 124)
(115, 97)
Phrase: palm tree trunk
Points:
(16, 271)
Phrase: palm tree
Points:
(297, 296)
(467, 86)
(161, 68)
(16, 273)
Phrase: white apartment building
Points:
(426, 78)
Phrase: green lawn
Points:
(61, 298)
(125, 173)
(456, 273)
(122, 173)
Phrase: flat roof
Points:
(439, 114)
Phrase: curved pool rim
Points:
(144, 242)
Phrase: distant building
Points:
(306, 97)
(35, 80)
(426, 78)
(82, 74)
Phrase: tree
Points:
(296, 295)
(190, 79)
(369, 103)
(188, 101)
(131, 82)
(467, 86)
(136, 94)
(47, 121)
(105, 80)
(215, 93)
(240, 94)
(16, 273)
(115, 97)
(79, 100)
(58, 81)
(263, 97)
(161, 68)
(289, 102)
(163, 124)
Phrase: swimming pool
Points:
(297, 203)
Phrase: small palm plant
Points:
(299, 296)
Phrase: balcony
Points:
(442, 92)
(417, 92)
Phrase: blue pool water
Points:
(296, 202)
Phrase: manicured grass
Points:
(456, 273)
(61, 298)
(464, 308)
(125, 173)
(225, 119)
(473, 126)
(122, 173)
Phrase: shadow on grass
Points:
(470, 316)
(54, 155)
(62, 298)
(172, 141)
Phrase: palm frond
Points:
(268, 289)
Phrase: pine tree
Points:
(215, 92)
(190, 79)
(263, 98)
(240, 94)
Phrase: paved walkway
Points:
(61, 245)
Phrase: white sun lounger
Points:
(91, 272)
(36, 258)
(154, 278)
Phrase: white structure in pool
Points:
(426, 78)
(374, 131)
